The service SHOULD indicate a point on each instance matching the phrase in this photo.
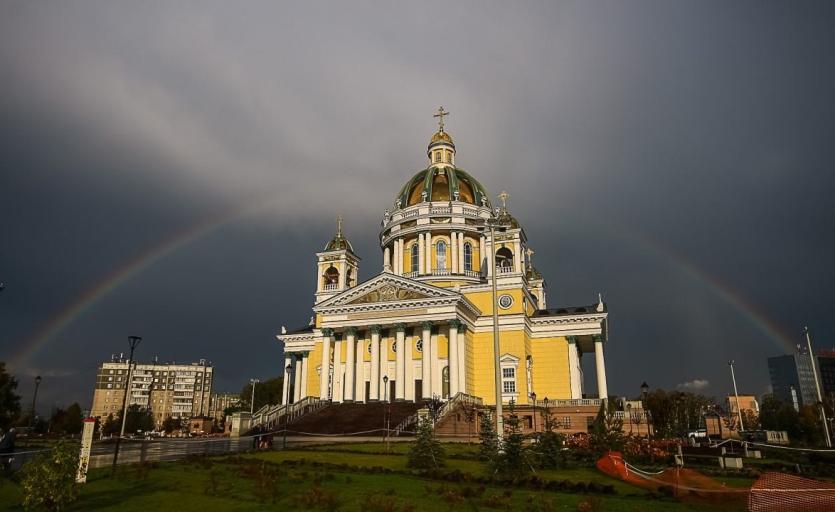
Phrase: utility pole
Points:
(738, 408)
(133, 341)
(34, 398)
(496, 357)
(253, 382)
(817, 387)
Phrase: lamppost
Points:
(493, 223)
(253, 383)
(133, 342)
(736, 395)
(644, 394)
(35, 400)
(533, 397)
(817, 386)
(386, 411)
(286, 406)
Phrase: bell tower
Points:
(337, 266)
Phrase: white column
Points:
(350, 350)
(491, 264)
(400, 377)
(437, 381)
(428, 239)
(285, 394)
(453, 252)
(452, 357)
(337, 386)
(602, 391)
(421, 252)
(402, 255)
(374, 393)
(426, 376)
(343, 269)
(461, 252)
(297, 394)
(482, 252)
(462, 358)
(517, 257)
(410, 369)
(326, 362)
(386, 260)
(574, 368)
(395, 249)
(359, 373)
(305, 369)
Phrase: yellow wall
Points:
(484, 301)
(315, 359)
(483, 377)
(550, 368)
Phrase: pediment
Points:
(387, 288)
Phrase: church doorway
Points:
(418, 390)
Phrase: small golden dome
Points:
(441, 136)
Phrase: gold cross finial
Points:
(503, 196)
(339, 225)
(529, 252)
(440, 115)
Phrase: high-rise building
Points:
(792, 379)
(826, 367)
(221, 402)
(167, 389)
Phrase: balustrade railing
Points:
(331, 286)
(570, 402)
(504, 270)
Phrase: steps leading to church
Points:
(353, 419)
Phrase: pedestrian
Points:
(7, 448)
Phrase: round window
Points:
(505, 301)
(419, 345)
(394, 346)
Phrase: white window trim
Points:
(510, 361)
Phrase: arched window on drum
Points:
(440, 255)
(415, 258)
(468, 256)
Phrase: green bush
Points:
(49, 480)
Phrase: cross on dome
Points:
(440, 115)
(339, 225)
(503, 196)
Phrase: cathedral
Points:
(423, 327)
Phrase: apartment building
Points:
(167, 389)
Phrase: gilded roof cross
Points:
(503, 196)
(440, 115)
(339, 225)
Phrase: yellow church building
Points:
(423, 327)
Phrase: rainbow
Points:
(729, 295)
(177, 241)
(119, 276)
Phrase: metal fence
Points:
(134, 451)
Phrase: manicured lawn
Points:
(334, 478)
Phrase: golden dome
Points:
(441, 136)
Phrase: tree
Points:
(549, 449)
(49, 480)
(138, 419)
(489, 448)
(607, 432)
(69, 421)
(170, 424)
(9, 400)
(267, 392)
(513, 459)
(110, 426)
(427, 452)
(676, 412)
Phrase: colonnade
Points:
(344, 379)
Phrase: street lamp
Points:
(386, 411)
(644, 395)
(533, 397)
(495, 223)
(133, 342)
(35, 399)
(252, 383)
(817, 386)
(736, 395)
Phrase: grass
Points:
(334, 478)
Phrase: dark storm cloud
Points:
(637, 139)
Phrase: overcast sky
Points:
(169, 170)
